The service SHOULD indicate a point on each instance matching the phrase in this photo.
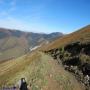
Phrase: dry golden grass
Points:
(46, 73)
(12, 67)
(82, 35)
(12, 47)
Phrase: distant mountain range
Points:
(14, 43)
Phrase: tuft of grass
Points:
(84, 58)
(64, 81)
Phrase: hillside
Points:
(82, 35)
(73, 51)
(14, 43)
(40, 70)
(47, 71)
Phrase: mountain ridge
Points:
(81, 35)
(14, 43)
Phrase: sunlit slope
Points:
(82, 35)
(45, 72)
(12, 47)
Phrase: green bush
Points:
(67, 55)
(61, 50)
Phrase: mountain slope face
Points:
(12, 44)
(15, 43)
(74, 52)
(40, 71)
(82, 35)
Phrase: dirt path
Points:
(64, 80)
(46, 73)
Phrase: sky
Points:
(45, 16)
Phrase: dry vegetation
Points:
(12, 47)
(73, 50)
(82, 35)
(45, 72)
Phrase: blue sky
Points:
(45, 15)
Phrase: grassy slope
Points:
(82, 35)
(14, 43)
(12, 47)
(45, 72)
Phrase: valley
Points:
(44, 44)
(61, 63)
(15, 43)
